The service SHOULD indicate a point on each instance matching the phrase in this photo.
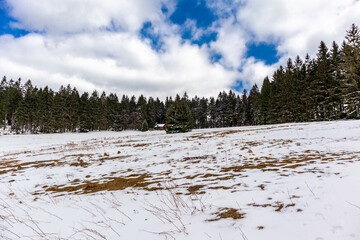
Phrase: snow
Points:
(286, 181)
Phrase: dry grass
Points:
(195, 188)
(278, 206)
(107, 184)
(224, 213)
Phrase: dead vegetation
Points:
(195, 188)
(224, 213)
(278, 206)
(106, 184)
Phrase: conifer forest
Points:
(320, 89)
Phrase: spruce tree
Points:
(351, 73)
(321, 84)
(85, 112)
(178, 117)
(264, 101)
(151, 112)
(144, 126)
(335, 94)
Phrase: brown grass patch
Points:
(277, 205)
(13, 166)
(195, 188)
(196, 158)
(221, 187)
(227, 213)
(260, 205)
(142, 145)
(110, 184)
(193, 176)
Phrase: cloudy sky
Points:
(163, 47)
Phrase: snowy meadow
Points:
(286, 181)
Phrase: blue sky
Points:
(204, 17)
(5, 21)
(163, 47)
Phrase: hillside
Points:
(287, 181)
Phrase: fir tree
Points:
(264, 101)
(178, 117)
(144, 126)
(351, 73)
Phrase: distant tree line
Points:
(321, 89)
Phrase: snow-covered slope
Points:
(288, 181)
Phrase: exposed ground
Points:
(289, 181)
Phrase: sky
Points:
(163, 47)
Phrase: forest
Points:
(321, 89)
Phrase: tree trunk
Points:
(5, 122)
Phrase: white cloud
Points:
(59, 16)
(118, 62)
(231, 43)
(96, 44)
(254, 72)
(74, 47)
(299, 26)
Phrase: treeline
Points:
(320, 89)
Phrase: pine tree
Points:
(253, 108)
(124, 114)
(178, 117)
(112, 106)
(144, 126)
(28, 107)
(85, 112)
(335, 93)
(160, 111)
(151, 112)
(299, 77)
(203, 113)
(320, 85)
(308, 102)
(263, 100)
(351, 73)
(212, 113)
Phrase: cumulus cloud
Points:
(254, 71)
(231, 43)
(118, 62)
(95, 44)
(59, 16)
(298, 26)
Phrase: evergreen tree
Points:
(124, 115)
(253, 107)
(299, 89)
(212, 113)
(144, 126)
(112, 106)
(203, 113)
(151, 112)
(264, 101)
(160, 111)
(320, 85)
(351, 73)
(178, 117)
(85, 112)
(335, 93)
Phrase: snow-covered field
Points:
(289, 181)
